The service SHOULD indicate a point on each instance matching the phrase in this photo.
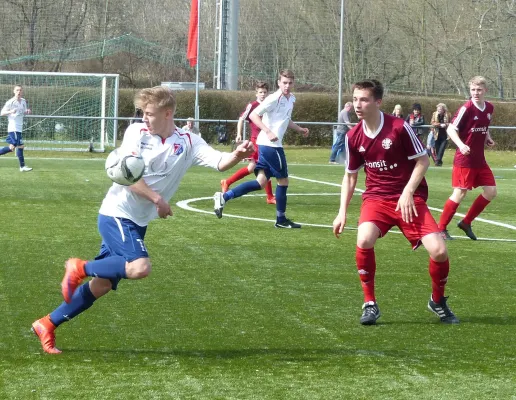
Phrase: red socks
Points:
(241, 173)
(450, 207)
(439, 274)
(366, 265)
(476, 208)
(268, 189)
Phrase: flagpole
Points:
(197, 66)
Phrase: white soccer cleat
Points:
(25, 169)
(218, 203)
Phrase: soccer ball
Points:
(124, 169)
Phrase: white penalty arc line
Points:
(185, 205)
(487, 221)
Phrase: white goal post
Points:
(70, 111)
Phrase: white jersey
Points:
(15, 120)
(276, 110)
(166, 161)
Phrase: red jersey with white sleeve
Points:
(245, 115)
(472, 124)
(388, 157)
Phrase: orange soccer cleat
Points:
(44, 329)
(224, 186)
(74, 274)
(271, 200)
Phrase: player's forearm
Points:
(142, 189)
(229, 160)
(296, 127)
(239, 127)
(422, 164)
(349, 182)
(454, 136)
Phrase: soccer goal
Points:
(70, 111)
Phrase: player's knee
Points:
(365, 242)
(490, 192)
(138, 269)
(439, 253)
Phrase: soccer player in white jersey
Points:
(15, 109)
(273, 117)
(469, 131)
(168, 152)
(395, 163)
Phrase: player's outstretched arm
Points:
(228, 160)
(255, 117)
(349, 183)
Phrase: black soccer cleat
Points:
(370, 314)
(442, 310)
(287, 224)
(467, 229)
(446, 235)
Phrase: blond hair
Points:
(443, 106)
(478, 80)
(287, 73)
(160, 96)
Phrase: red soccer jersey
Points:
(245, 115)
(387, 156)
(472, 124)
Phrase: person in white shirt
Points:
(190, 127)
(15, 109)
(273, 117)
(168, 152)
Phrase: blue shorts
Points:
(14, 138)
(121, 237)
(272, 161)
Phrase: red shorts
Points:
(382, 214)
(254, 156)
(469, 178)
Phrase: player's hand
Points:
(11, 147)
(305, 132)
(244, 149)
(490, 142)
(238, 138)
(163, 208)
(464, 149)
(338, 224)
(407, 206)
(28, 111)
(13, 111)
(272, 136)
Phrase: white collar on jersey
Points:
(476, 105)
(372, 135)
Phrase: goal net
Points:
(70, 111)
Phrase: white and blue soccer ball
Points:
(123, 168)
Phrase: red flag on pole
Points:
(193, 31)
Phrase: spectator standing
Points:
(441, 118)
(416, 119)
(343, 128)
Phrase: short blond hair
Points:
(160, 96)
(478, 80)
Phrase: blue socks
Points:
(5, 150)
(242, 189)
(82, 299)
(19, 154)
(281, 203)
(108, 268)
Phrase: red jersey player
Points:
(395, 163)
(469, 130)
(262, 90)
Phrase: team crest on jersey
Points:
(386, 143)
(489, 116)
(178, 149)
